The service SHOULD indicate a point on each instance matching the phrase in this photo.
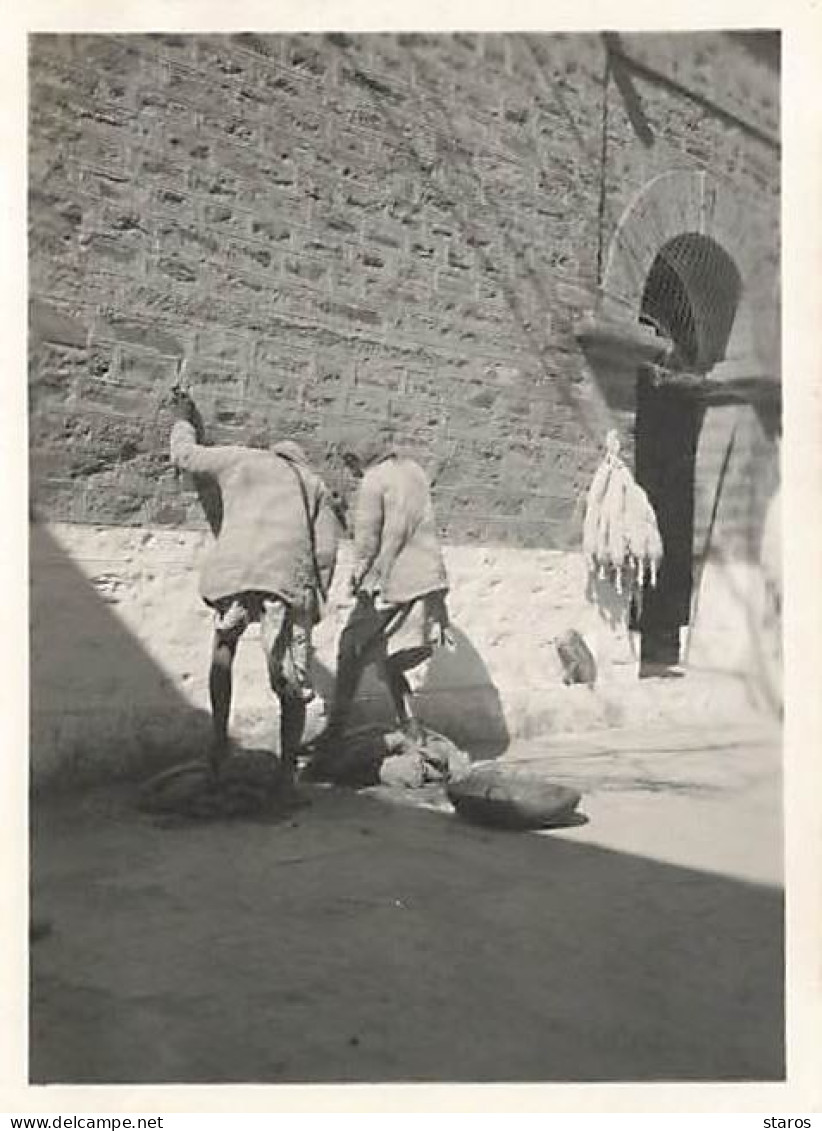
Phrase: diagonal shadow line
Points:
(707, 105)
(84, 661)
(576, 962)
(623, 67)
(631, 98)
(553, 91)
(536, 346)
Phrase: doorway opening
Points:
(691, 296)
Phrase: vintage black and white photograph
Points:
(405, 557)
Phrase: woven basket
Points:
(511, 799)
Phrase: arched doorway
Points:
(690, 296)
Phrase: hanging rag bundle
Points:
(620, 532)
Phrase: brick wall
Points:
(397, 230)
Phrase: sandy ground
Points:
(120, 644)
(368, 937)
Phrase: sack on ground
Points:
(509, 798)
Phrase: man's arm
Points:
(394, 534)
(188, 453)
(368, 527)
(326, 538)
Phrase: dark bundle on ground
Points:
(370, 756)
(511, 798)
(250, 783)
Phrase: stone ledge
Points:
(120, 655)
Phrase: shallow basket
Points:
(250, 782)
(509, 798)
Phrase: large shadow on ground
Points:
(458, 698)
(99, 701)
(360, 941)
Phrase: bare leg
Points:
(301, 651)
(292, 724)
(394, 679)
(219, 686)
(286, 676)
(402, 697)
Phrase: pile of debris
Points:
(252, 782)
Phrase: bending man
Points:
(400, 582)
(272, 562)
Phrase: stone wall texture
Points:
(380, 230)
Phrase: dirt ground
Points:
(367, 937)
(120, 648)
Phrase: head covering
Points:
(290, 450)
(367, 447)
